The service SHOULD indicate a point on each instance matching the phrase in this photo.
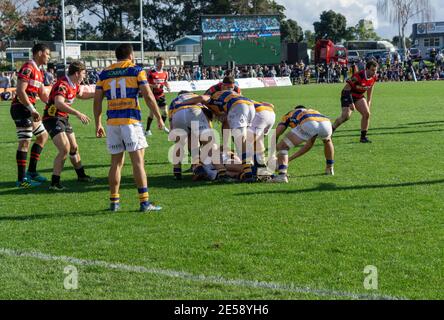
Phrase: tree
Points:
(331, 26)
(400, 12)
(408, 41)
(362, 31)
(12, 17)
(291, 31)
(310, 38)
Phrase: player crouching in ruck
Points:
(352, 98)
(55, 119)
(307, 125)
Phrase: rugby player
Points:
(158, 80)
(56, 122)
(352, 97)
(121, 83)
(306, 125)
(188, 117)
(239, 112)
(27, 119)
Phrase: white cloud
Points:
(305, 12)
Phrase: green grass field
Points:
(267, 50)
(309, 239)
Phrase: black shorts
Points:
(56, 125)
(161, 102)
(347, 100)
(21, 115)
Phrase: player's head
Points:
(160, 62)
(299, 107)
(183, 92)
(228, 83)
(77, 71)
(41, 53)
(125, 52)
(371, 67)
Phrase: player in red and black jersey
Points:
(226, 84)
(158, 80)
(26, 117)
(352, 98)
(56, 121)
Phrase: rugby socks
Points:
(55, 180)
(81, 172)
(177, 173)
(330, 163)
(114, 198)
(246, 165)
(283, 169)
(21, 164)
(148, 123)
(363, 134)
(36, 150)
(143, 195)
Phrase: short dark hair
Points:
(371, 63)
(75, 66)
(159, 58)
(228, 80)
(123, 51)
(300, 107)
(183, 92)
(39, 47)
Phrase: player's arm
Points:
(85, 95)
(98, 98)
(59, 102)
(43, 94)
(280, 129)
(203, 99)
(148, 96)
(307, 146)
(24, 100)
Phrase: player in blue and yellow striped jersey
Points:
(306, 125)
(120, 83)
(239, 112)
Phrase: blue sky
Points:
(305, 12)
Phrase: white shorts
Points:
(241, 116)
(309, 129)
(263, 122)
(183, 119)
(128, 137)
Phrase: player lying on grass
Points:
(239, 112)
(352, 97)
(306, 125)
(56, 122)
(191, 122)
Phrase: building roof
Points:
(186, 40)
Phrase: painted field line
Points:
(196, 278)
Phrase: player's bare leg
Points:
(344, 117)
(114, 176)
(137, 160)
(289, 141)
(329, 152)
(62, 144)
(244, 152)
(364, 110)
(76, 161)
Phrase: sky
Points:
(305, 12)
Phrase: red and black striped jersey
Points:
(360, 84)
(218, 87)
(65, 88)
(33, 75)
(158, 78)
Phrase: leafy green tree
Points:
(332, 26)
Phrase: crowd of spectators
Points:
(236, 24)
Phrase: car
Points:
(353, 56)
(375, 55)
(415, 54)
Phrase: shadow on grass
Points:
(371, 133)
(42, 216)
(429, 124)
(101, 184)
(333, 187)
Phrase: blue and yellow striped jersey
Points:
(223, 101)
(263, 106)
(120, 83)
(300, 116)
(177, 104)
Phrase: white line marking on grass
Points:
(196, 278)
